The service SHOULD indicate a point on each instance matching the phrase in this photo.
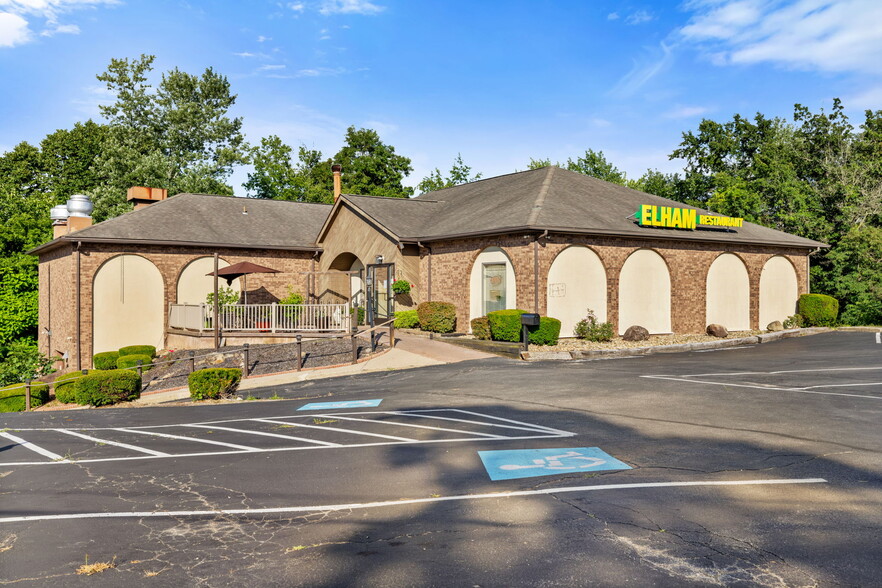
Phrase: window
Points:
(494, 287)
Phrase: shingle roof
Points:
(205, 219)
(547, 198)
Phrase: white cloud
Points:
(350, 7)
(612, 16)
(819, 35)
(382, 128)
(271, 67)
(13, 30)
(61, 30)
(868, 99)
(657, 60)
(639, 17)
(600, 122)
(245, 54)
(297, 6)
(686, 112)
(262, 39)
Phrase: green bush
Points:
(66, 386)
(588, 328)
(213, 382)
(108, 387)
(138, 350)
(505, 325)
(22, 360)
(481, 328)
(793, 322)
(407, 319)
(437, 317)
(105, 360)
(818, 310)
(12, 398)
(131, 361)
(546, 333)
(225, 296)
(360, 311)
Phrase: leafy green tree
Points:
(68, 160)
(371, 167)
(459, 173)
(854, 276)
(595, 164)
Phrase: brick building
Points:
(547, 240)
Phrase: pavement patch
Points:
(342, 404)
(511, 464)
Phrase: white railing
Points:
(262, 318)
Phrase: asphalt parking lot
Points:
(754, 466)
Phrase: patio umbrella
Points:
(242, 269)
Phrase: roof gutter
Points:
(95, 240)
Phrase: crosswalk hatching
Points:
(43, 446)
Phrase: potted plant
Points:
(401, 286)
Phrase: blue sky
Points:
(499, 82)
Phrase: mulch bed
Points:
(262, 359)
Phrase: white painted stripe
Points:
(34, 448)
(343, 418)
(841, 385)
(278, 449)
(393, 503)
(878, 338)
(797, 390)
(336, 429)
(441, 418)
(194, 439)
(857, 369)
(528, 425)
(264, 434)
(106, 442)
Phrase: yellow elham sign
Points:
(670, 217)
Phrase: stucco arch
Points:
(193, 285)
(127, 304)
(779, 291)
(491, 256)
(645, 292)
(728, 293)
(576, 282)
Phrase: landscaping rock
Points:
(775, 326)
(636, 333)
(716, 330)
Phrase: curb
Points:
(638, 351)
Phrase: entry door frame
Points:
(373, 293)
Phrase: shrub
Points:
(401, 287)
(99, 387)
(105, 360)
(588, 328)
(22, 360)
(818, 310)
(213, 382)
(481, 328)
(66, 386)
(505, 325)
(437, 317)
(793, 322)
(407, 319)
(225, 296)
(546, 333)
(138, 350)
(12, 398)
(360, 311)
(131, 361)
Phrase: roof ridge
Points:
(540, 198)
(483, 180)
(408, 199)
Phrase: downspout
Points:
(429, 271)
(536, 270)
(79, 318)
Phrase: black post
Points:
(355, 348)
(245, 360)
(140, 369)
(299, 352)
(192, 361)
(28, 395)
(525, 335)
(392, 334)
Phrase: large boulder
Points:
(715, 330)
(775, 326)
(636, 333)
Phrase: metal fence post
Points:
(192, 361)
(140, 369)
(245, 360)
(27, 395)
(299, 352)
(392, 334)
(354, 349)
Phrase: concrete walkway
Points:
(410, 351)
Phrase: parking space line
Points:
(276, 422)
(878, 338)
(840, 385)
(265, 434)
(396, 503)
(528, 425)
(343, 418)
(185, 438)
(440, 418)
(797, 390)
(115, 443)
(35, 448)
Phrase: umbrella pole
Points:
(215, 317)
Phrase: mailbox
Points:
(530, 319)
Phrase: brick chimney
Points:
(143, 196)
(337, 168)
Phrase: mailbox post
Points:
(528, 319)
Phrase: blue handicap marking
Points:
(529, 463)
(342, 404)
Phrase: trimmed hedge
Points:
(481, 328)
(437, 317)
(505, 325)
(546, 333)
(12, 398)
(66, 386)
(406, 319)
(99, 388)
(131, 361)
(105, 360)
(138, 350)
(213, 382)
(818, 310)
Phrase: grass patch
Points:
(321, 421)
(88, 569)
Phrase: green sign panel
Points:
(649, 215)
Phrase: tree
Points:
(459, 173)
(595, 164)
(371, 167)
(68, 159)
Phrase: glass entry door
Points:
(494, 287)
(380, 297)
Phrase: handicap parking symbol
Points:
(342, 404)
(529, 463)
